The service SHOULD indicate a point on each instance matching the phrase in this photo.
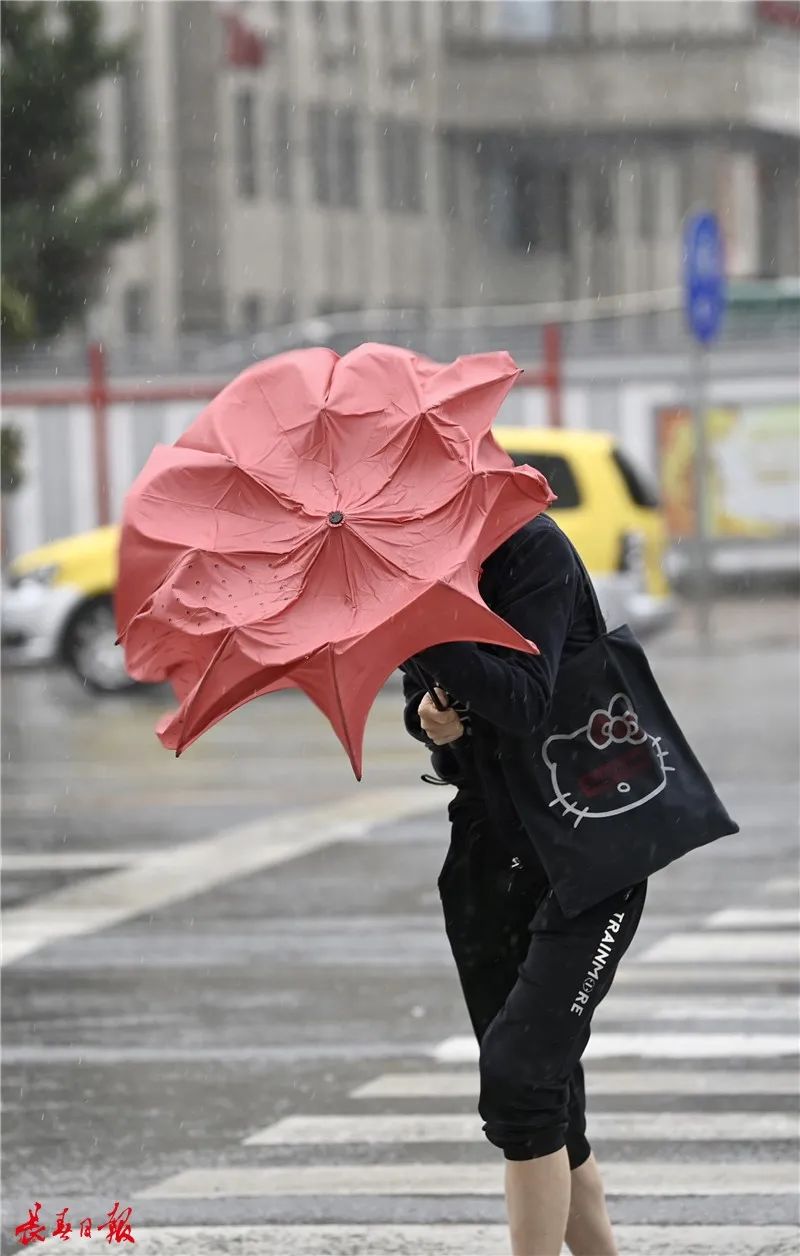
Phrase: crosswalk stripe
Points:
(690, 975)
(432, 1240)
(706, 946)
(652, 1178)
(336, 1129)
(463, 1048)
(782, 885)
(175, 873)
(754, 918)
(448, 1084)
(695, 1005)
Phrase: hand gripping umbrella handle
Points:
(421, 677)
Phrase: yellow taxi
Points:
(58, 599)
(611, 514)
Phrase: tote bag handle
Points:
(600, 621)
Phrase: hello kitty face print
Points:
(608, 766)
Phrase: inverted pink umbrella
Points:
(322, 520)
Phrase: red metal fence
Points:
(99, 393)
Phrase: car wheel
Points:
(90, 649)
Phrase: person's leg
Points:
(528, 1061)
(487, 907)
(589, 1231)
(537, 1202)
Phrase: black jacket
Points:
(535, 582)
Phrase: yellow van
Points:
(57, 603)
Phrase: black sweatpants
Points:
(531, 981)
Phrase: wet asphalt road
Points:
(177, 982)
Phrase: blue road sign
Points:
(705, 288)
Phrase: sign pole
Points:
(702, 566)
(705, 298)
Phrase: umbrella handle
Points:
(421, 677)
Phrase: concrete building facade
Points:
(312, 157)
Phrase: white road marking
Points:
(464, 1084)
(219, 1053)
(171, 875)
(337, 1129)
(463, 1049)
(424, 1239)
(687, 975)
(778, 886)
(754, 918)
(724, 948)
(696, 1005)
(646, 1177)
(71, 860)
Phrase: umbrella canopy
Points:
(323, 519)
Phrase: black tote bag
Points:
(618, 792)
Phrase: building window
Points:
(347, 173)
(685, 183)
(527, 19)
(335, 156)
(602, 202)
(449, 157)
(562, 208)
(319, 15)
(769, 219)
(282, 151)
(648, 200)
(385, 12)
(416, 21)
(527, 213)
(352, 16)
(401, 165)
(252, 313)
(244, 143)
(541, 207)
(319, 135)
(285, 310)
(410, 150)
(131, 107)
(136, 310)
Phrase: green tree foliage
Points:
(58, 221)
(11, 451)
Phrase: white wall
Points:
(605, 394)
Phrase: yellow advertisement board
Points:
(754, 469)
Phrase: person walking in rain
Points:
(531, 977)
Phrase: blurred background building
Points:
(450, 175)
(307, 158)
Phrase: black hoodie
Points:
(535, 582)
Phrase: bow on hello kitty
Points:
(610, 727)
